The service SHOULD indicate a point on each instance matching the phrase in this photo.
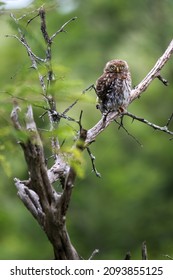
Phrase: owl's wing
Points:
(101, 87)
(105, 92)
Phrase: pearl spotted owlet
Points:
(113, 87)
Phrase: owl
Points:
(113, 87)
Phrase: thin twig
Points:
(128, 133)
(82, 134)
(89, 88)
(71, 106)
(164, 81)
(169, 120)
(31, 19)
(62, 28)
(144, 251)
(96, 251)
(22, 40)
(154, 126)
(57, 115)
(168, 257)
(93, 164)
(25, 15)
(128, 256)
(80, 119)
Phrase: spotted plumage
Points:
(113, 87)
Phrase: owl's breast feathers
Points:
(108, 82)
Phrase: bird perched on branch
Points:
(113, 87)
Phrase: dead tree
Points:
(37, 193)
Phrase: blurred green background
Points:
(133, 200)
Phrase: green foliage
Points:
(132, 201)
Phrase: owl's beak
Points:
(117, 69)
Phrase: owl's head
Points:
(116, 66)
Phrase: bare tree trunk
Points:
(46, 205)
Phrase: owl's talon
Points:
(105, 114)
(121, 110)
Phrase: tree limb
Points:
(135, 93)
(143, 85)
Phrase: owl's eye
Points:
(112, 67)
(122, 67)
